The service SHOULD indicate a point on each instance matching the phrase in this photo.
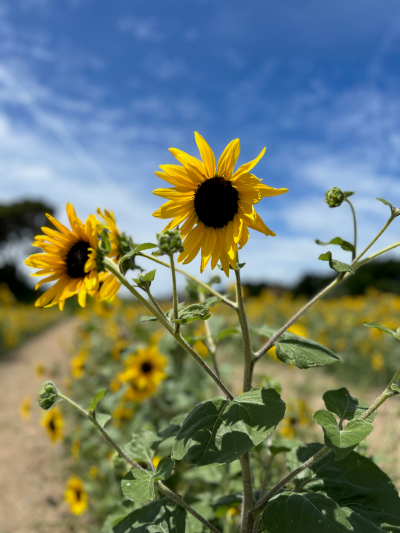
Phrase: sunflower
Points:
(25, 408)
(76, 496)
(53, 422)
(214, 203)
(143, 372)
(69, 258)
(109, 284)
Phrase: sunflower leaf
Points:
(227, 333)
(335, 265)
(343, 405)
(161, 516)
(145, 318)
(102, 419)
(345, 245)
(219, 431)
(138, 486)
(98, 397)
(123, 265)
(193, 312)
(164, 469)
(395, 334)
(211, 301)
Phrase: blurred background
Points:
(92, 95)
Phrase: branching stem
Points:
(355, 227)
(175, 294)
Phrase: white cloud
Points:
(142, 29)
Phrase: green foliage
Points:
(345, 245)
(344, 440)
(138, 486)
(125, 262)
(395, 211)
(343, 405)
(99, 396)
(295, 350)
(218, 431)
(164, 469)
(48, 395)
(335, 265)
(395, 334)
(187, 315)
(157, 517)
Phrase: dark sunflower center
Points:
(76, 259)
(78, 495)
(147, 367)
(52, 426)
(216, 202)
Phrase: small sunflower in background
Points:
(69, 259)
(78, 364)
(109, 284)
(76, 496)
(214, 204)
(53, 423)
(297, 415)
(143, 372)
(25, 408)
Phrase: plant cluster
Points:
(226, 441)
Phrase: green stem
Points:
(321, 294)
(248, 351)
(386, 394)
(376, 254)
(355, 228)
(201, 283)
(163, 488)
(175, 294)
(247, 506)
(111, 267)
(212, 348)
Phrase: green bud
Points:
(144, 280)
(169, 242)
(48, 395)
(335, 197)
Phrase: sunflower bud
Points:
(169, 242)
(48, 395)
(335, 197)
(144, 280)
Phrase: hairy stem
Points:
(168, 326)
(355, 261)
(210, 339)
(163, 488)
(247, 506)
(199, 282)
(376, 254)
(355, 227)
(248, 351)
(261, 504)
(175, 294)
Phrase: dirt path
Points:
(31, 482)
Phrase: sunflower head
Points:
(214, 203)
(76, 496)
(53, 423)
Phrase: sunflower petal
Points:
(248, 166)
(228, 159)
(270, 191)
(258, 225)
(195, 168)
(206, 153)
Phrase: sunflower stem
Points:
(113, 268)
(175, 294)
(355, 227)
(199, 282)
(163, 488)
(355, 265)
(210, 339)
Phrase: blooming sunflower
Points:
(25, 408)
(53, 422)
(214, 203)
(76, 496)
(69, 258)
(143, 372)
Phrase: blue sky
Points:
(94, 92)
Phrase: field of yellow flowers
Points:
(113, 350)
(19, 321)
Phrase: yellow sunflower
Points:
(143, 372)
(214, 203)
(69, 259)
(53, 422)
(109, 284)
(76, 496)
(25, 408)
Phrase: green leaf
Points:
(105, 241)
(102, 419)
(354, 479)
(123, 265)
(148, 276)
(396, 386)
(193, 312)
(161, 516)
(386, 202)
(99, 396)
(142, 446)
(226, 333)
(395, 334)
(138, 486)
(172, 429)
(299, 351)
(218, 431)
(211, 301)
(164, 469)
(347, 194)
(342, 404)
(338, 266)
(386, 521)
(345, 245)
(280, 445)
(290, 512)
(146, 318)
(170, 314)
(342, 441)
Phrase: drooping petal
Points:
(259, 225)
(270, 191)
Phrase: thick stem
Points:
(199, 282)
(168, 326)
(164, 489)
(355, 228)
(386, 394)
(247, 506)
(355, 261)
(175, 294)
(248, 351)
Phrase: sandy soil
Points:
(31, 480)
